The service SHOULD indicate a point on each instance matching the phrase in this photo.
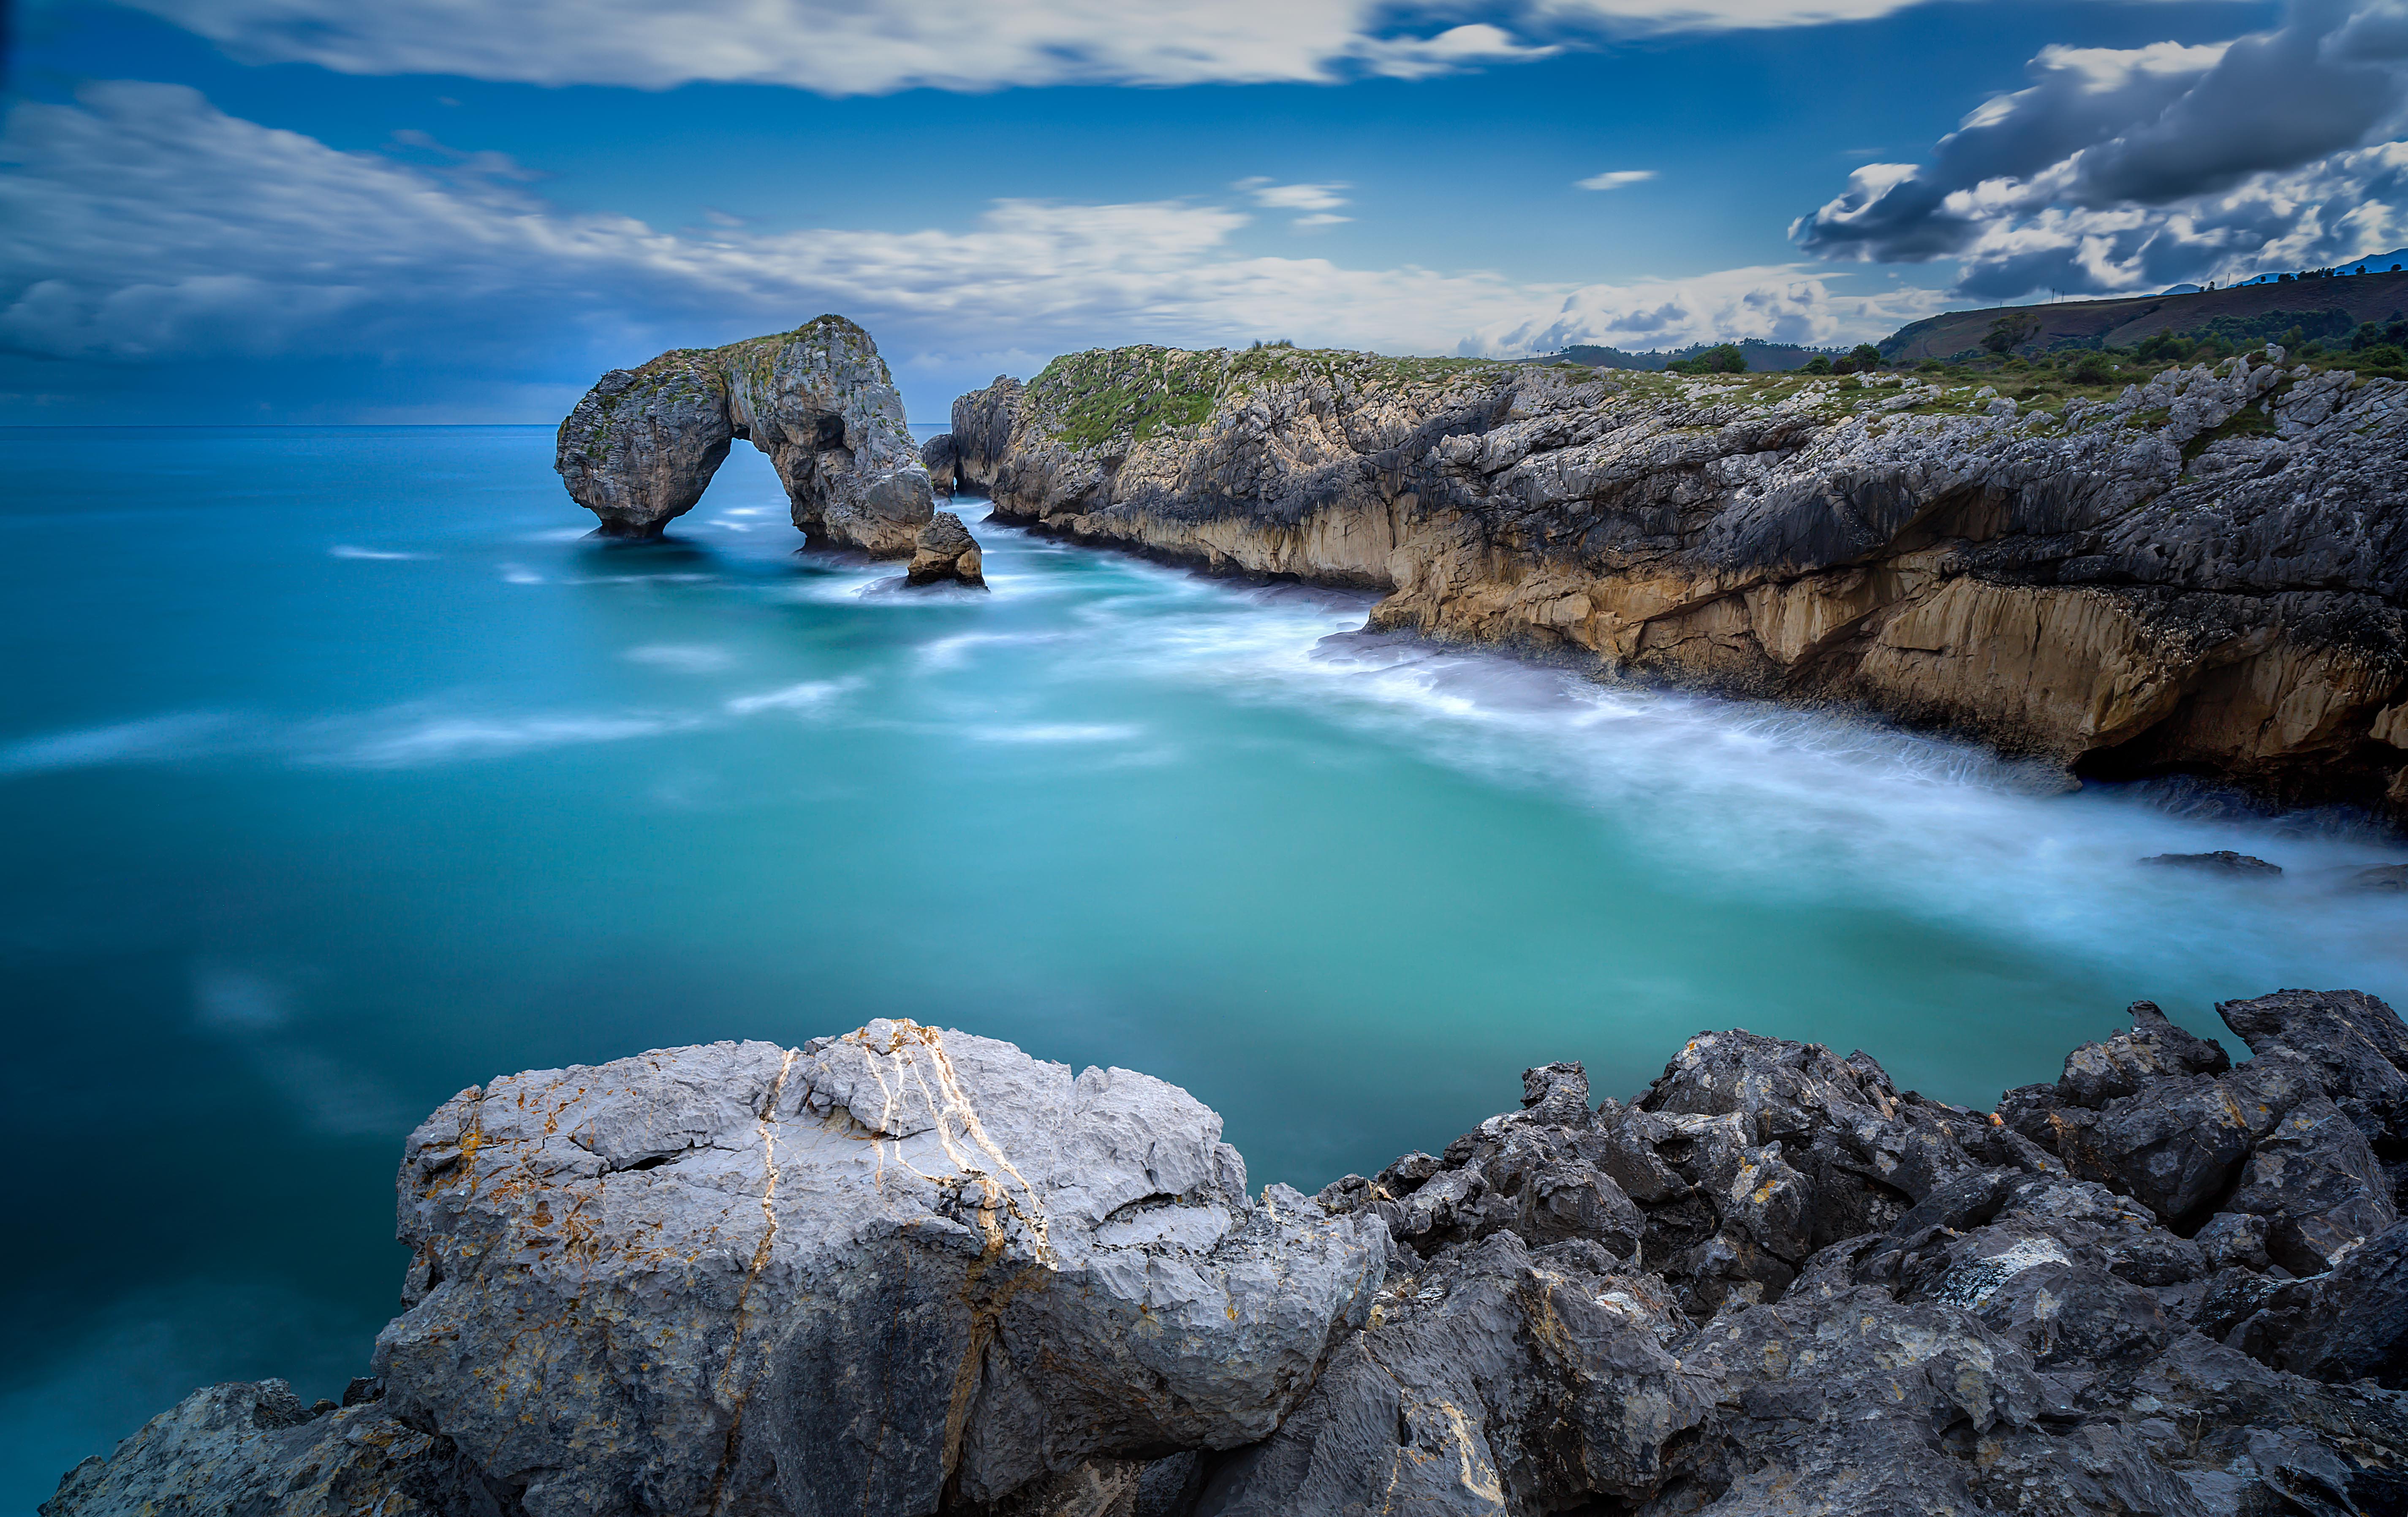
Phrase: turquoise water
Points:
(340, 771)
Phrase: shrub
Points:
(1726, 358)
(2094, 369)
(1817, 365)
(1865, 356)
(1932, 365)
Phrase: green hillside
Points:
(2320, 307)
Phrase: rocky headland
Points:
(908, 1271)
(2207, 573)
(641, 448)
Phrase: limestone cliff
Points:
(2207, 573)
(640, 447)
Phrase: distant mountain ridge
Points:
(2321, 306)
(1762, 357)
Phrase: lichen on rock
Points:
(639, 449)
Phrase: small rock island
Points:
(907, 1271)
(641, 448)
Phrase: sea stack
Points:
(641, 446)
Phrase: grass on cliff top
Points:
(1135, 394)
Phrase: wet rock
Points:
(2223, 861)
(946, 551)
(2359, 1328)
(640, 448)
(2356, 1045)
(2316, 1182)
(2382, 877)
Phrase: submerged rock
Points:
(2223, 861)
(641, 446)
(946, 550)
(907, 1272)
(2135, 586)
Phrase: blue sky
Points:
(300, 210)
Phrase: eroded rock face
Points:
(945, 550)
(905, 1271)
(641, 446)
(2208, 572)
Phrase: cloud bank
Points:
(141, 225)
(2124, 168)
(844, 47)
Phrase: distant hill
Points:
(2320, 306)
(1762, 357)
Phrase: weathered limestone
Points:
(2207, 573)
(640, 447)
(905, 1273)
(946, 550)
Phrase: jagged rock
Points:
(2356, 1046)
(1498, 1378)
(249, 1449)
(2130, 585)
(2381, 877)
(907, 1272)
(2358, 1324)
(2223, 861)
(639, 449)
(937, 457)
(946, 550)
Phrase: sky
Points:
(292, 211)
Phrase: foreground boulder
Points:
(641, 446)
(2203, 573)
(907, 1272)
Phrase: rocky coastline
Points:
(908, 1271)
(2205, 574)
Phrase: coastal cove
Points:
(349, 769)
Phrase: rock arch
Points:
(639, 449)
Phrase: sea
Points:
(341, 768)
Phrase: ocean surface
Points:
(339, 770)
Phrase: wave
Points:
(808, 696)
(178, 734)
(344, 550)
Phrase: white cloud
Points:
(2121, 168)
(141, 224)
(1292, 196)
(1321, 200)
(843, 48)
(1774, 304)
(1615, 179)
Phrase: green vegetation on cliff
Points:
(1135, 394)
